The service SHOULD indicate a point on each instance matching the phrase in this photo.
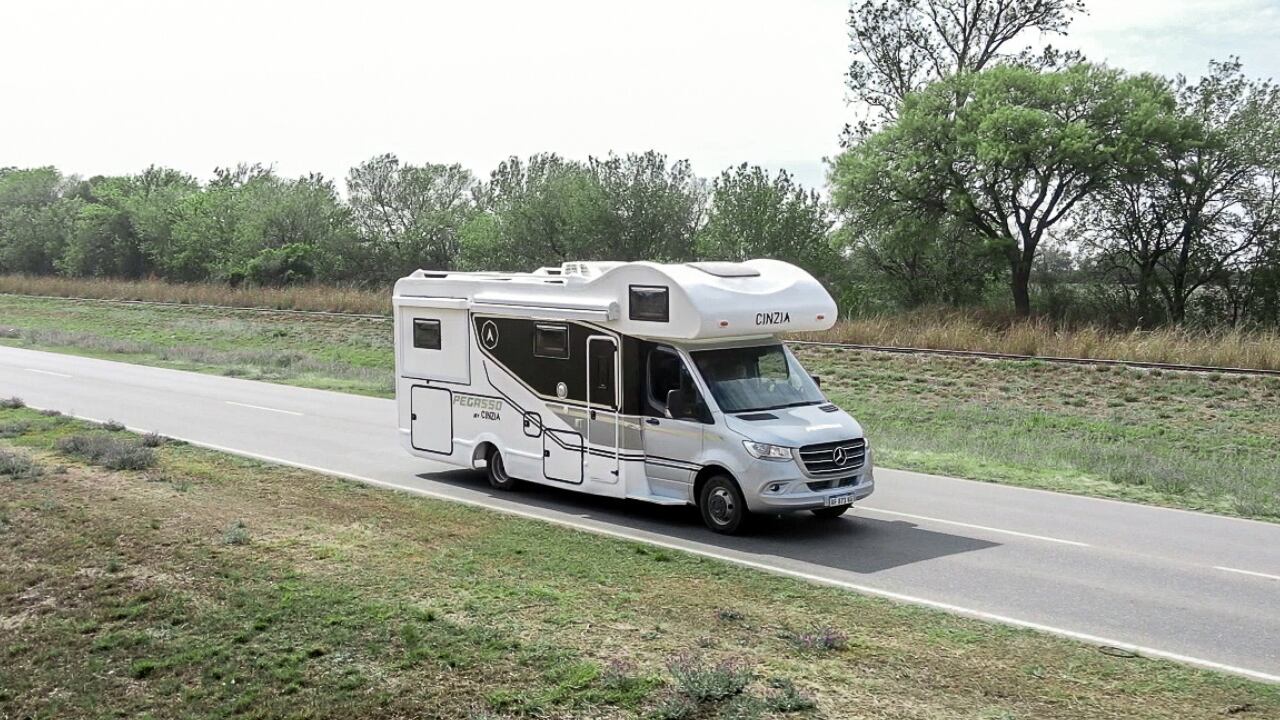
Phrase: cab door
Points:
(672, 444)
(604, 432)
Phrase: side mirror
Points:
(678, 404)
(817, 380)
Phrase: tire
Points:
(831, 513)
(497, 472)
(722, 505)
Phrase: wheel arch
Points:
(706, 473)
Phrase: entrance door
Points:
(603, 394)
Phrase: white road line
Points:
(48, 372)
(260, 407)
(753, 564)
(1246, 572)
(925, 518)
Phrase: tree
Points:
(410, 216)
(1201, 215)
(37, 218)
(754, 214)
(902, 46)
(653, 210)
(1011, 163)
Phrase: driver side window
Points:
(665, 372)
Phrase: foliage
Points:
(901, 47)
(1010, 163)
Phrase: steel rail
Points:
(975, 354)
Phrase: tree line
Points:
(249, 224)
(979, 174)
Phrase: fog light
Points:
(775, 488)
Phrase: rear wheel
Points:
(723, 508)
(831, 513)
(498, 476)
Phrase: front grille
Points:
(821, 459)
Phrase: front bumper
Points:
(796, 494)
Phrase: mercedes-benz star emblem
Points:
(838, 456)
(489, 334)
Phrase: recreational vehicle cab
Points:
(661, 383)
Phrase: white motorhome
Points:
(661, 383)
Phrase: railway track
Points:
(975, 354)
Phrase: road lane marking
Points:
(49, 372)
(645, 538)
(925, 518)
(1246, 572)
(260, 407)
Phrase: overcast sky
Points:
(110, 87)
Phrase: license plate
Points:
(838, 500)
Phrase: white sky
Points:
(98, 87)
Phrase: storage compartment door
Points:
(562, 456)
(431, 419)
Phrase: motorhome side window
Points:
(650, 303)
(667, 372)
(426, 334)
(551, 341)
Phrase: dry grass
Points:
(950, 330)
(940, 329)
(322, 298)
(212, 586)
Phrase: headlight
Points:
(765, 451)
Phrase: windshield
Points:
(756, 378)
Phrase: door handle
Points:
(593, 414)
(651, 421)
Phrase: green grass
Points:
(1196, 441)
(120, 595)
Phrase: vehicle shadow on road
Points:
(852, 543)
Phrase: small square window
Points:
(426, 334)
(551, 341)
(650, 303)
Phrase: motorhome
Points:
(663, 383)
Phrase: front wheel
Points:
(831, 513)
(498, 476)
(723, 508)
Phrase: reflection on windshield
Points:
(756, 378)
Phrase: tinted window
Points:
(551, 341)
(746, 379)
(426, 334)
(664, 376)
(650, 303)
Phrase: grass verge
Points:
(211, 586)
(1197, 441)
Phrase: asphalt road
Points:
(1187, 586)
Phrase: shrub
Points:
(785, 697)
(107, 451)
(153, 440)
(821, 638)
(12, 403)
(704, 682)
(237, 533)
(113, 426)
(18, 466)
(51, 413)
(14, 429)
(674, 706)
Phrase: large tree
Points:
(1204, 213)
(757, 214)
(1017, 157)
(902, 46)
(410, 215)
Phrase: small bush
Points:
(821, 638)
(153, 440)
(113, 426)
(237, 533)
(14, 429)
(10, 333)
(18, 466)
(674, 706)
(728, 615)
(110, 452)
(12, 403)
(51, 413)
(704, 682)
(785, 697)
